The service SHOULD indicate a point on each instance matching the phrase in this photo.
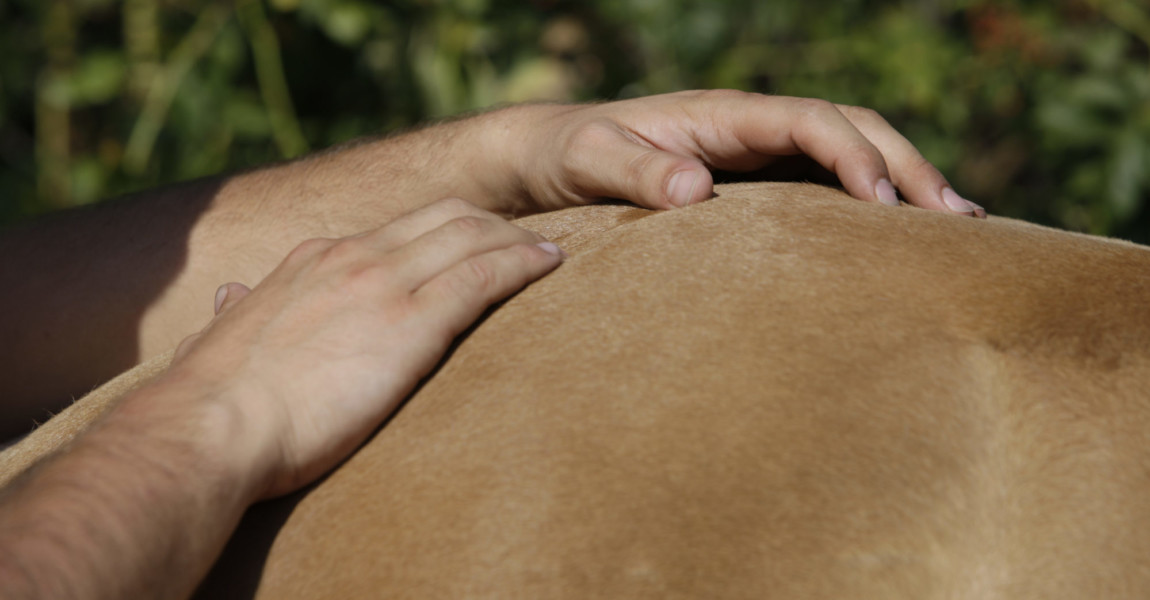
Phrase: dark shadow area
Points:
(1137, 229)
(239, 568)
(76, 285)
(798, 168)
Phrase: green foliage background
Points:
(1034, 108)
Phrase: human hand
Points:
(656, 151)
(310, 362)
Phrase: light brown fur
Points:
(780, 393)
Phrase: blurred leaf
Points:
(229, 53)
(1069, 124)
(245, 116)
(1097, 92)
(348, 23)
(1105, 51)
(538, 79)
(98, 78)
(88, 177)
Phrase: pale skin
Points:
(291, 375)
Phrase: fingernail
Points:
(221, 295)
(979, 211)
(682, 187)
(550, 248)
(955, 202)
(884, 190)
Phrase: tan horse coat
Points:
(780, 393)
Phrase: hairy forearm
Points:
(90, 294)
(139, 507)
(255, 219)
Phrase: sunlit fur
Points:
(779, 393)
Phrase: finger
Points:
(185, 346)
(771, 126)
(228, 294)
(455, 241)
(919, 181)
(607, 162)
(459, 295)
(420, 221)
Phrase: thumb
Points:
(228, 294)
(185, 346)
(615, 166)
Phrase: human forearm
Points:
(137, 508)
(255, 219)
(89, 295)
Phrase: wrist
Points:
(197, 433)
(156, 486)
(511, 143)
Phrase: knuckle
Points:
(862, 113)
(814, 108)
(864, 156)
(638, 167)
(482, 276)
(591, 136)
(470, 227)
(872, 115)
(723, 95)
(472, 280)
(342, 251)
(582, 145)
(368, 279)
(864, 148)
(878, 161)
(920, 164)
(307, 249)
